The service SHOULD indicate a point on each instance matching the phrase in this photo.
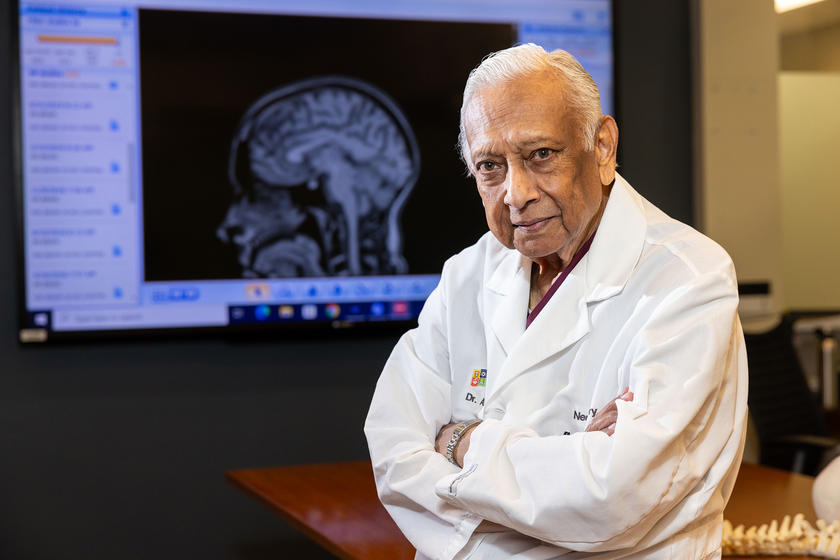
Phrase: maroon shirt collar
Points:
(558, 281)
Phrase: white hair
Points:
(580, 93)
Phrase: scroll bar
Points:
(132, 173)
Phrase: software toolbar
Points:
(80, 124)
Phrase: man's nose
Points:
(520, 188)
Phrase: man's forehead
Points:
(526, 109)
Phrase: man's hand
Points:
(604, 420)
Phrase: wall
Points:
(814, 49)
(809, 127)
(809, 139)
(118, 450)
(810, 37)
(738, 201)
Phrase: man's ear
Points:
(606, 144)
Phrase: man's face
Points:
(542, 193)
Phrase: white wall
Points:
(809, 139)
(737, 183)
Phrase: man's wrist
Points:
(464, 444)
(460, 430)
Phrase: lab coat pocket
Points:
(468, 394)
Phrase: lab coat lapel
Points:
(601, 274)
(562, 322)
(507, 300)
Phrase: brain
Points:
(351, 146)
(329, 130)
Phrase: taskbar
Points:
(41, 322)
(349, 312)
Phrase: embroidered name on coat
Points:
(473, 399)
(583, 416)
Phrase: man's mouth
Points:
(532, 225)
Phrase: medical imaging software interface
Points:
(214, 163)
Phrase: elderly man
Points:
(478, 426)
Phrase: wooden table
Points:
(336, 505)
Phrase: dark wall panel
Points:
(653, 94)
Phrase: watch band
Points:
(456, 437)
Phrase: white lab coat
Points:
(652, 306)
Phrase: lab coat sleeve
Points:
(411, 403)
(591, 492)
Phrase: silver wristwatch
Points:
(456, 437)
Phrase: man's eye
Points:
(487, 166)
(542, 153)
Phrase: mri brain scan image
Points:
(320, 170)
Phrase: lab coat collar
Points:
(601, 274)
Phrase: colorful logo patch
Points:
(479, 378)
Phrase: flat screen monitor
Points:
(254, 164)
